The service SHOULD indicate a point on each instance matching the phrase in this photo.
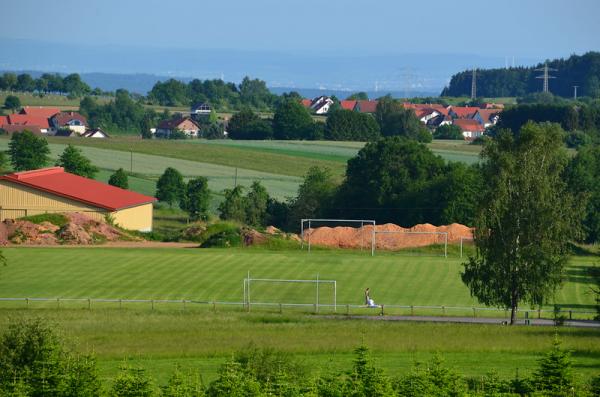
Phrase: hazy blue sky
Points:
(534, 28)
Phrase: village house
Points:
(321, 105)
(487, 117)
(462, 112)
(95, 133)
(69, 120)
(348, 104)
(471, 129)
(22, 122)
(183, 124)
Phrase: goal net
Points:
(316, 294)
(413, 242)
(362, 233)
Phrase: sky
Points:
(520, 28)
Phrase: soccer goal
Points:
(362, 222)
(316, 293)
(413, 242)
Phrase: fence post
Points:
(183, 300)
(89, 304)
(474, 312)
(347, 310)
(382, 313)
(570, 314)
(443, 311)
(26, 303)
(120, 304)
(412, 310)
(539, 312)
(280, 308)
(214, 306)
(152, 304)
(58, 303)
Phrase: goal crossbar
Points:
(445, 234)
(361, 221)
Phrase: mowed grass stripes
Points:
(217, 274)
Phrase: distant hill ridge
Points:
(577, 70)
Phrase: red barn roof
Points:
(39, 111)
(88, 191)
(469, 125)
(24, 119)
(348, 104)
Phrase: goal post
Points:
(362, 223)
(444, 236)
(250, 281)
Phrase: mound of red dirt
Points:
(80, 229)
(388, 236)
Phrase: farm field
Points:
(150, 167)
(200, 337)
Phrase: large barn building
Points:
(52, 190)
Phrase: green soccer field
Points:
(217, 275)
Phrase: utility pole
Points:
(474, 84)
(575, 92)
(545, 76)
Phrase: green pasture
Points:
(217, 275)
(201, 341)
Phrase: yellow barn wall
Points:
(17, 201)
(135, 218)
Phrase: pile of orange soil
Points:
(352, 237)
(80, 229)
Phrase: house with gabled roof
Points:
(184, 124)
(27, 122)
(321, 104)
(52, 190)
(462, 112)
(71, 120)
(95, 133)
(487, 117)
(39, 111)
(471, 129)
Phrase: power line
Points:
(546, 76)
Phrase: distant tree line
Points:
(122, 114)
(34, 361)
(220, 94)
(47, 83)
(580, 70)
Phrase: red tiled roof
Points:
(12, 128)
(88, 191)
(24, 119)
(39, 111)
(348, 104)
(306, 102)
(61, 119)
(464, 111)
(468, 125)
(3, 120)
(367, 106)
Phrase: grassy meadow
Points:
(200, 337)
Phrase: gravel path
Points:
(473, 320)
